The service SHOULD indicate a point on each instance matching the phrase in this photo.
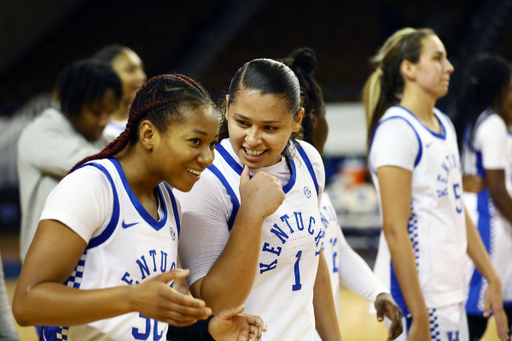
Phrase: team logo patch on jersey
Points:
(173, 235)
(307, 192)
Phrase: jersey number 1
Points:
(296, 271)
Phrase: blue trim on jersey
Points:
(484, 228)
(479, 164)
(293, 178)
(53, 334)
(420, 150)
(396, 292)
(174, 207)
(238, 168)
(157, 225)
(308, 165)
(229, 159)
(441, 136)
(234, 198)
(107, 232)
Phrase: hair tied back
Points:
(304, 59)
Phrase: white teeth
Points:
(254, 152)
(193, 171)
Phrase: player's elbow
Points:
(20, 312)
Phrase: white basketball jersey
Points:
(493, 228)
(282, 293)
(331, 245)
(436, 227)
(131, 249)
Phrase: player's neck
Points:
(138, 173)
(422, 106)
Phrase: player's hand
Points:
(230, 325)
(156, 300)
(263, 193)
(386, 306)
(472, 183)
(494, 302)
(420, 329)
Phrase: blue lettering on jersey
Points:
(453, 336)
(334, 254)
(324, 220)
(152, 253)
(449, 163)
(283, 237)
(319, 236)
(272, 250)
(268, 267)
(143, 268)
(300, 223)
(146, 270)
(311, 223)
(285, 219)
(279, 233)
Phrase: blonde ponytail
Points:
(385, 85)
(371, 94)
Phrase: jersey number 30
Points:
(144, 335)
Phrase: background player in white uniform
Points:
(237, 246)
(345, 265)
(413, 157)
(111, 227)
(482, 113)
(130, 69)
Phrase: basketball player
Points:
(482, 115)
(345, 265)
(130, 69)
(105, 249)
(413, 157)
(262, 251)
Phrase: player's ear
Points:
(148, 134)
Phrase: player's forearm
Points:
(476, 251)
(230, 280)
(65, 306)
(403, 260)
(323, 303)
(502, 200)
(357, 276)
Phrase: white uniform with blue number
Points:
(436, 227)
(489, 151)
(282, 293)
(125, 244)
(344, 264)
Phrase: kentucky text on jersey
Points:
(283, 236)
(157, 262)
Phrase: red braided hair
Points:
(159, 101)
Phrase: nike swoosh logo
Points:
(429, 144)
(125, 225)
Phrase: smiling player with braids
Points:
(105, 250)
